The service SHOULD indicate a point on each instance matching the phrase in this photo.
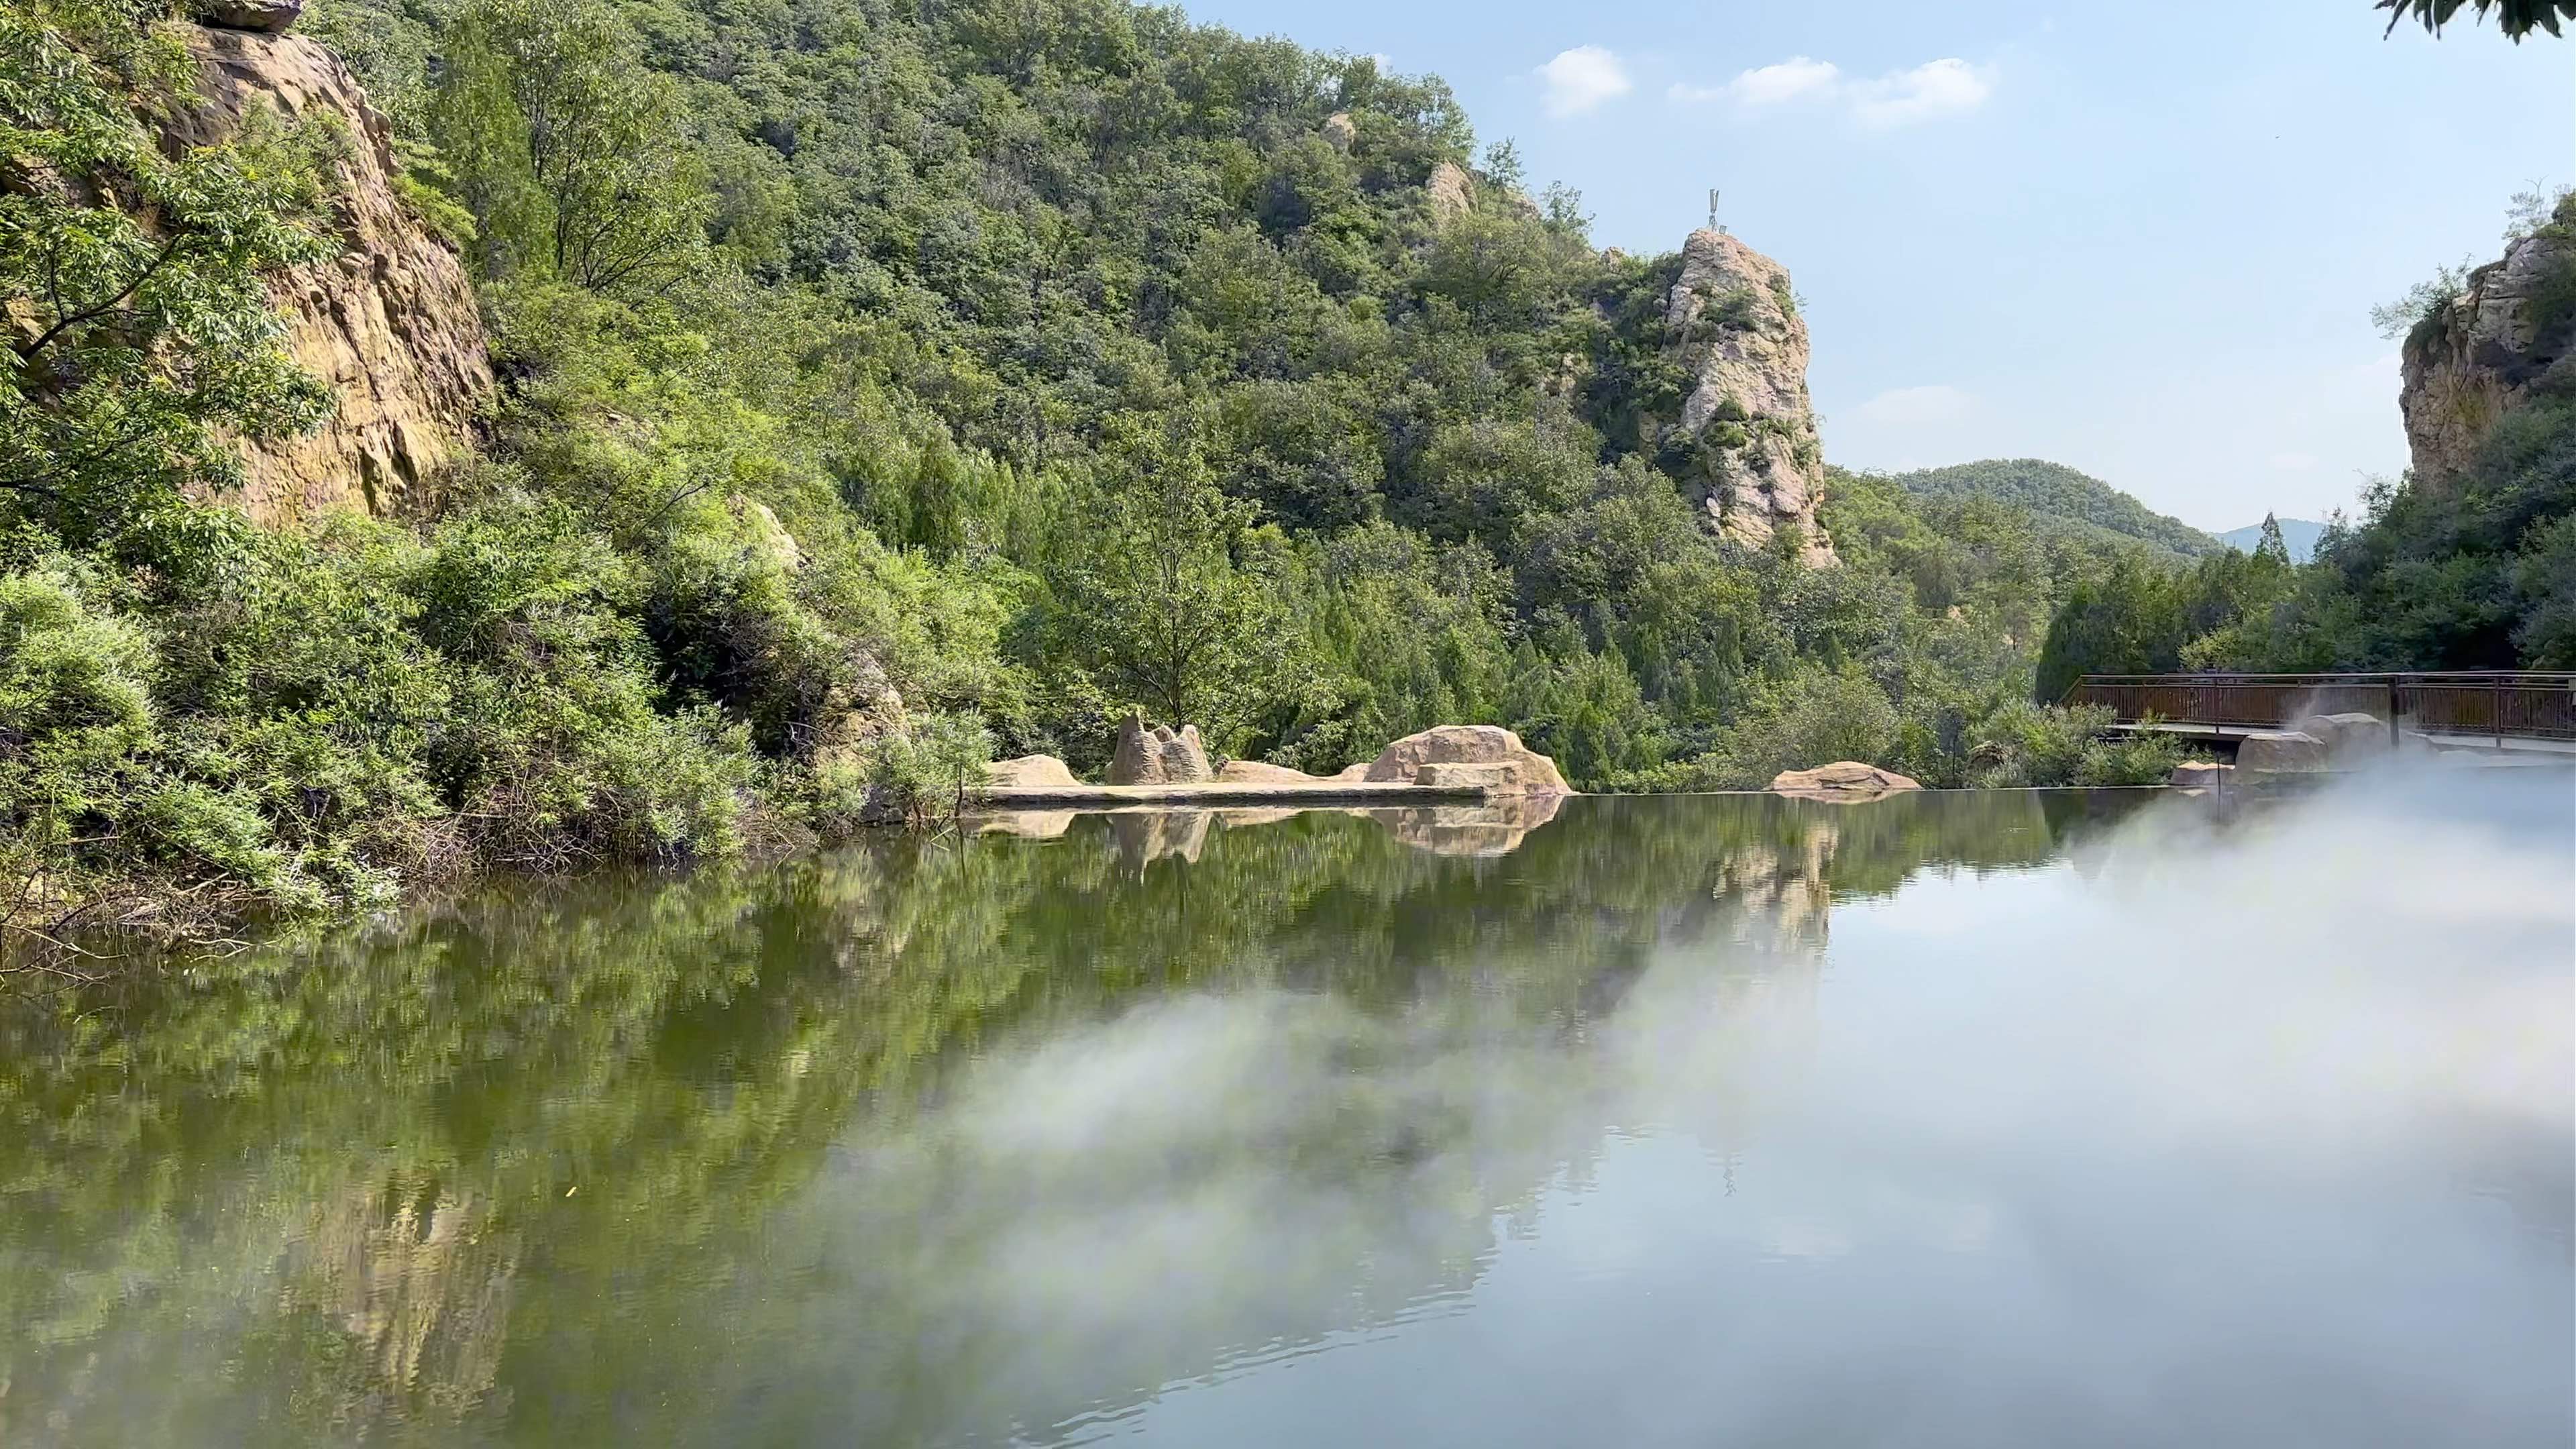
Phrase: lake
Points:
(1954, 1119)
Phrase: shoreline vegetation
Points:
(879, 396)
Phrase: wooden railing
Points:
(2503, 704)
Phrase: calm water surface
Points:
(1956, 1120)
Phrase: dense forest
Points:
(888, 388)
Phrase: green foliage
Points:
(139, 329)
(922, 771)
(2516, 18)
(572, 156)
(883, 388)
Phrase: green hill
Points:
(2056, 492)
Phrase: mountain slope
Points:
(2053, 490)
(2300, 534)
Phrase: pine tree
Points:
(2272, 546)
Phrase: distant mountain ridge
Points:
(2058, 493)
(2299, 535)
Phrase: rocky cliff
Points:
(1747, 416)
(2479, 356)
(390, 323)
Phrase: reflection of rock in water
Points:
(1146, 836)
(1494, 827)
(1781, 893)
(1028, 824)
(1263, 815)
(421, 1278)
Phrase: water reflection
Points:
(1100, 1123)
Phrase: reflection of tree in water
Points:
(835, 1144)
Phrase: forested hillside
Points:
(2063, 499)
(879, 388)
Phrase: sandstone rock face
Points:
(1495, 779)
(1341, 132)
(1350, 774)
(1452, 192)
(390, 323)
(2199, 775)
(2281, 750)
(2481, 356)
(1154, 755)
(1762, 467)
(1843, 781)
(1529, 772)
(1262, 772)
(1029, 772)
(269, 17)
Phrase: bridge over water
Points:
(2499, 709)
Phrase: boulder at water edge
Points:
(1154, 755)
(2280, 750)
(2198, 775)
(1526, 771)
(1262, 772)
(1842, 782)
(1029, 772)
(2351, 733)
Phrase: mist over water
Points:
(1964, 1119)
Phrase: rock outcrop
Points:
(1451, 192)
(1525, 770)
(1341, 132)
(1029, 772)
(268, 17)
(1155, 755)
(391, 323)
(1759, 466)
(1842, 782)
(2482, 354)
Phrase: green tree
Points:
(573, 154)
(138, 321)
(2271, 545)
(1157, 608)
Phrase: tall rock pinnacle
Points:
(1758, 463)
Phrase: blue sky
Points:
(2140, 237)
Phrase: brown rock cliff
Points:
(2479, 356)
(390, 323)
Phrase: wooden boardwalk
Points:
(2508, 709)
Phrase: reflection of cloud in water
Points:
(2186, 1109)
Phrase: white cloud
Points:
(1581, 79)
(2294, 462)
(1791, 79)
(1945, 87)
(1917, 406)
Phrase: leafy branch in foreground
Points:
(2516, 18)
